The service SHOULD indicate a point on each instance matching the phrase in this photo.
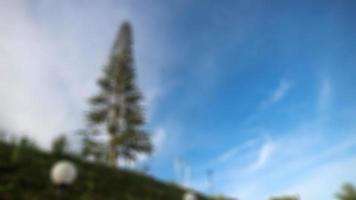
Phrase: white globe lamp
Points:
(63, 174)
(189, 196)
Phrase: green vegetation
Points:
(348, 192)
(59, 145)
(285, 198)
(117, 106)
(27, 177)
(91, 148)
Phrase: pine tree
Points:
(117, 106)
(91, 147)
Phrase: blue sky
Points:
(260, 92)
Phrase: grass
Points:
(24, 174)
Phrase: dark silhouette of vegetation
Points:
(223, 198)
(117, 106)
(92, 149)
(348, 192)
(28, 178)
(59, 145)
(285, 198)
(24, 148)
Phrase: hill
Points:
(24, 174)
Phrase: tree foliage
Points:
(348, 192)
(92, 149)
(59, 145)
(27, 178)
(24, 147)
(117, 106)
(285, 198)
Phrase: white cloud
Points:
(158, 139)
(235, 151)
(278, 94)
(29, 102)
(287, 165)
(264, 156)
(324, 181)
(227, 155)
(281, 91)
(49, 62)
(325, 93)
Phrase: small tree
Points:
(117, 106)
(59, 145)
(348, 192)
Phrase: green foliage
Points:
(91, 148)
(59, 145)
(29, 179)
(24, 147)
(285, 198)
(132, 143)
(348, 192)
(117, 106)
(223, 198)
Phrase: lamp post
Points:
(189, 196)
(63, 173)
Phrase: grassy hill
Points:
(24, 174)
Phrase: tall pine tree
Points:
(117, 106)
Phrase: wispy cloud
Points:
(289, 162)
(158, 139)
(274, 97)
(325, 93)
(277, 94)
(235, 151)
(313, 185)
(264, 156)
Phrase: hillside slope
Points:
(24, 174)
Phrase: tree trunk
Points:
(112, 144)
(112, 154)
